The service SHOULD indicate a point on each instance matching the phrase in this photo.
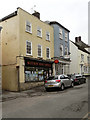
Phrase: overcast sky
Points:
(72, 14)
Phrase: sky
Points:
(72, 14)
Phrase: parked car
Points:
(78, 79)
(58, 81)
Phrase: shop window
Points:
(36, 74)
(39, 51)
(28, 48)
(48, 52)
(28, 27)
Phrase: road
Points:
(70, 103)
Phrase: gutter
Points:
(9, 16)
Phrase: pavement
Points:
(36, 91)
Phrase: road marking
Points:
(86, 116)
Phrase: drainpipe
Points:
(18, 78)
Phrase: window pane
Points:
(39, 32)
(47, 36)
(39, 51)
(48, 52)
(28, 26)
(28, 47)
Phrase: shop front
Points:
(62, 66)
(37, 70)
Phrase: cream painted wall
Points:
(74, 68)
(23, 17)
(10, 49)
(0, 50)
(10, 40)
(14, 39)
(75, 56)
(85, 63)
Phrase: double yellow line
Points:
(86, 116)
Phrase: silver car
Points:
(58, 81)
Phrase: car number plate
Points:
(50, 85)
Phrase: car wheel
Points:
(62, 87)
(47, 89)
(79, 82)
(72, 84)
(84, 81)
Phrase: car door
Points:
(65, 80)
(69, 81)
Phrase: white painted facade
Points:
(79, 60)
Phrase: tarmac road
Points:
(70, 103)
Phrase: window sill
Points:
(40, 57)
(29, 55)
(48, 58)
(48, 40)
(61, 38)
(28, 32)
(66, 41)
(39, 36)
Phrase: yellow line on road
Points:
(86, 116)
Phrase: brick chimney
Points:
(77, 39)
(36, 14)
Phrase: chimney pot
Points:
(36, 14)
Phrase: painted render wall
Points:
(23, 17)
(74, 68)
(85, 63)
(14, 39)
(58, 41)
(10, 49)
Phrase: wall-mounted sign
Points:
(37, 64)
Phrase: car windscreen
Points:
(53, 78)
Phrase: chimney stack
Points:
(36, 14)
(77, 39)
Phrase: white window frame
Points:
(66, 36)
(26, 47)
(47, 34)
(46, 53)
(40, 31)
(41, 50)
(66, 51)
(61, 33)
(29, 25)
(82, 58)
(61, 47)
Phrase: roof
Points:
(9, 16)
(54, 22)
(84, 45)
(81, 47)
